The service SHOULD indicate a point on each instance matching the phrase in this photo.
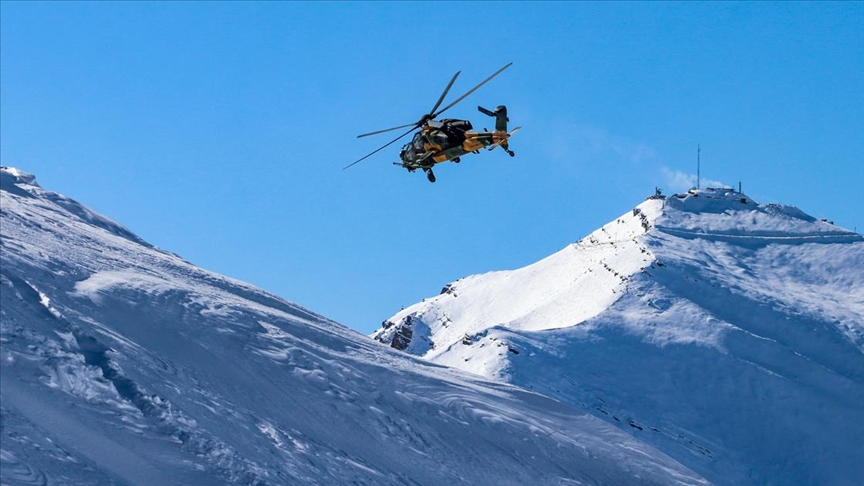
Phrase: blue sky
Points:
(218, 130)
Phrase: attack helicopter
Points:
(448, 139)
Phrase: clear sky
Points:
(218, 130)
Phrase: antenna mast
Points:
(698, 165)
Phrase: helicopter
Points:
(448, 139)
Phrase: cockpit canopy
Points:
(413, 149)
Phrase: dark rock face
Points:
(402, 336)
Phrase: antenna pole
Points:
(698, 165)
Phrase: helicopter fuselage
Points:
(449, 139)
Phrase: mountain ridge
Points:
(125, 364)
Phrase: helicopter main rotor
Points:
(427, 117)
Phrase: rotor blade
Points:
(444, 94)
(391, 142)
(435, 115)
(387, 130)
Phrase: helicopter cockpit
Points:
(413, 149)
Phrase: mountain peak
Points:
(587, 277)
(687, 311)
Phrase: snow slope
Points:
(124, 364)
(727, 333)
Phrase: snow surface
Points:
(727, 333)
(124, 364)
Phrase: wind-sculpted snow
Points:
(124, 364)
(727, 333)
(58, 204)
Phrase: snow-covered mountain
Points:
(124, 364)
(726, 333)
